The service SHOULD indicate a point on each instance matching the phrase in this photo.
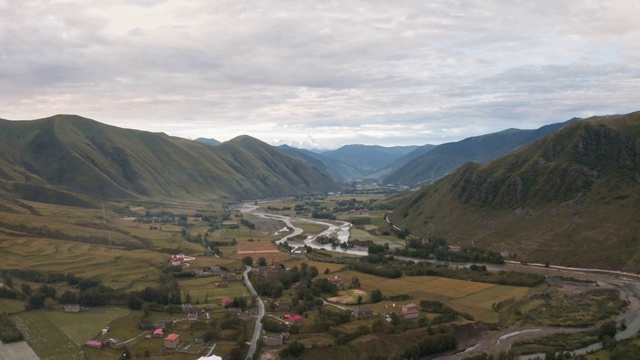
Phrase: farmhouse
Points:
(269, 272)
(226, 301)
(296, 319)
(410, 311)
(284, 305)
(505, 253)
(172, 341)
(229, 277)
(337, 281)
(273, 340)
(362, 313)
(94, 344)
(222, 284)
(455, 248)
(72, 308)
(158, 332)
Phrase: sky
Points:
(314, 73)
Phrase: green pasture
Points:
(11, 306)
(204, 288)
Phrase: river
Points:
(341, 230)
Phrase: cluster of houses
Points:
(180, 259)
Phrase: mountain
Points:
(212, 142)
(448, 157)
(570, 198)
(69, 159)
(398, 163)
(368, 158)
(326, 165)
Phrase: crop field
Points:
(258, 249)
(82, 326)
(11, 306)
(204, 288)
(45, 338)
(464, 296)
(117, 268)
(60, 335)
(321, 266)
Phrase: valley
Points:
(133, 255)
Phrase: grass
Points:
(85, 325)
(11, 306)
(204, 288)
(46, 338)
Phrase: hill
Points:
(446, 158)
(570, 198)
(367, 159)
(330, 167)
(67, 159)
(212, 142)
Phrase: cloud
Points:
(409, 72)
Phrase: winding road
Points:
(258, 329)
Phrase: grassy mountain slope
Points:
(398, 163)
(212, 142)
(326, 165)
(70, 155)
(570, 198)
(368, 158)
(446, 158)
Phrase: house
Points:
(72, 308)
(216, 269)
(187, 308)
(226, 301)
(362, 313)
(269, 272)
(222, 284)
(410, 311)
(505, 253)
(94, 344)
(158, 332)
(296, 319)
(284, 305)
(273, 340)
(172, 341)
(115, 343)
(237, 313)
(192, 316)
(337, 281)
(455, 248)
(229, 277)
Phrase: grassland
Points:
(464, 296)
(201, 289)
(60, 335)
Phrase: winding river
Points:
(627, 283)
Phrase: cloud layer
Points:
(331, 72)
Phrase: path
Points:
(261, 310)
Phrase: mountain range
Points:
(70, 160)
(570, 198)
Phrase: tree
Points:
(376, 296)
(262, 261)
(26, 289)
(247, 260)
(326, 271)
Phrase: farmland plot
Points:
(45, 338)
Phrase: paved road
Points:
(258, 329)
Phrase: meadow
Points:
(57, 335)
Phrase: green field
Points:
(59, 335)
(11, 306)
(201, 288)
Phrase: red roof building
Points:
(158, 332)
(226, 301)
(172, 341)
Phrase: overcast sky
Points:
(324, 72)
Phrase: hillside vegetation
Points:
(71, 160)
(570, 198)
(441, 160)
